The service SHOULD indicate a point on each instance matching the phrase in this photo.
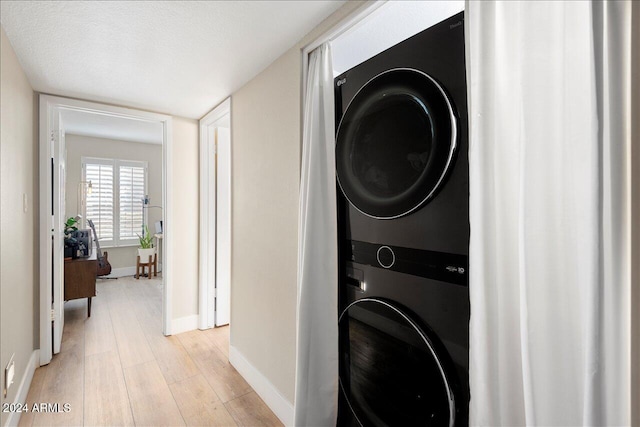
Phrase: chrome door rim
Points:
(425, 339)
(452, 148)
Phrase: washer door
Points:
(395, 143)
(390, 373)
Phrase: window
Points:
(115, 202)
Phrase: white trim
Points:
(184, 324)
(207, 217)
(265, 389)
(168, 226)
(23, 390)
(125, 272)
(48, 103)
(121, 272)
(218, 112)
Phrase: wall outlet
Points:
(9, 373)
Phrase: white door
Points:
(223, 226)
(58, 197)
(207, 226)
(215, 217)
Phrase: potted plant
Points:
(70, 242)
(146, 248)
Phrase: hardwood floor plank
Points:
(98, 332)
(223, 378)
(151, 400)
(173, 360)
(149, 318)
(220, 338)
(26, 419)
(196, 344)
(199, 404)
(134, 290)
(64, 379)
(153, 297)
(106, 399)
(250, 410)
(132, 343)
(113, 292)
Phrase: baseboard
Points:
(267, 391)
(23, 390)
(122, 272)
(126, 271)
(184, 324)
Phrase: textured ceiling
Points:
(180, 58)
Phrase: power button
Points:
(386, 257)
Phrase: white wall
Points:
(266, 153)
(18, 249)
(185, 172)
(266, 149)
(79, 146)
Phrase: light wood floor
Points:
(116, 368)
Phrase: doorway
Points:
(215, 217)
(54, 112)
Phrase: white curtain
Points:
(316, 393)
(549, 91)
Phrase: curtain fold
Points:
(549, 92)
(316, 392)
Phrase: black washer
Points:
(392, 373)
(403, 233)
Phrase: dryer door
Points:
(390, 371)
(395, 143)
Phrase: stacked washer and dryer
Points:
(403, 221)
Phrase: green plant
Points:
(146, 240)
(69, 228)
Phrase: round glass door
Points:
(395, 143)
(390, 373)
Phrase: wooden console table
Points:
(80, 278)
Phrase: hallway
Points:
(116, 368)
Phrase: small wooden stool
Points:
(153, 262)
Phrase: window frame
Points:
(116, 241)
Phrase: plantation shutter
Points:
(115, 202)
(100, 202)
(132, 191)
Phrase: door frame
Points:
(208, 214)
(356, 16)
(49, 106)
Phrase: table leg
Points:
(89, 307)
